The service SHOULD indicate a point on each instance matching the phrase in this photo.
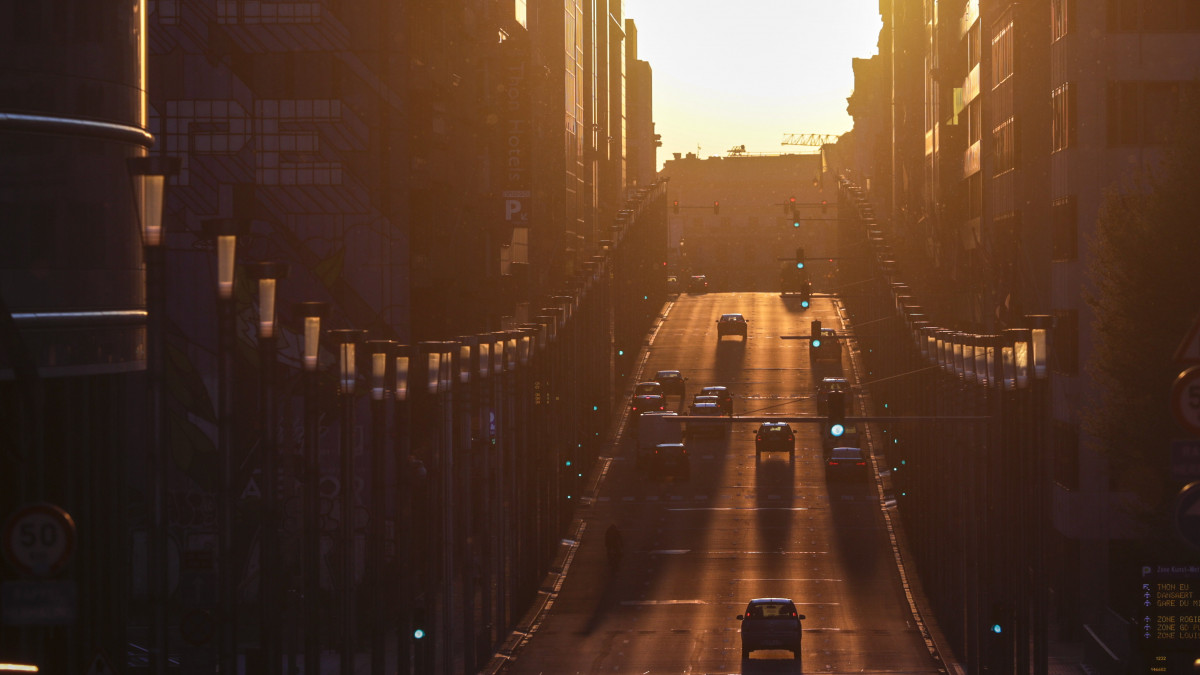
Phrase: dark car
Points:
(672, 284)
(775, 437)
(705, 409)
(731, 324)
(847, 464)
(648, 403)
(672, 382)
(829, 385)
(698, 284)
(670, 459)
(771, 623)
(722, 394)
(648, 388)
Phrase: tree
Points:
(1144, 298)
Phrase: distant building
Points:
(731, 219)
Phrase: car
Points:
(731, 324)
(647, 388)
(670, 459)
(722, 394)
(847, 463)
(771, 623)
(672, 382)
(698, 284)
(705, 409)
(775, 437)
(648, 403)
(672, 284)
(829, 385)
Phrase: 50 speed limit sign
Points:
(39, 539)
(1185, 399)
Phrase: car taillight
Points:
(758, 437)
(791, 438)
(860, 464)
(833, 462)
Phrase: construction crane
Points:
(809, 139)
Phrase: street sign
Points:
(1185, 460)
(1187, 513)
(39, 539)
(37, 603)
(1185, 399)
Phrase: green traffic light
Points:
(799, 265)
(816, 343)
(836, 430)
(418, 633)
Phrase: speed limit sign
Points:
(39, 539)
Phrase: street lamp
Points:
(347, 340)
(312, 312)
(149, 176)
(268, 274)
(382, 375)
(224, 232)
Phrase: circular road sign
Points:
(39, 539)
(1187, 513)
(1185, 399)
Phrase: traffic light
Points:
(836, 402)
(800, 257)
(795, 217)
(815, 332)
(676, 206)
(824, 206)
(717, 208)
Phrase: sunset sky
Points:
(746, 73)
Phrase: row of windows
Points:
(1139, 113)
(1125, 16)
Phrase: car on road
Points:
(731, 324)
(672, 381)
(672, 284)
(700, 427)
(647, 403)
(775, 437)
(847, 464)
(670, 459)
(648, 388)
(829, 385)
(771, 623)
(698, 284)
(723, 396)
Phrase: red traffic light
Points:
(716, 207)
(676, 206)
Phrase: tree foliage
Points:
(1144, 294)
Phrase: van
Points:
(654, 428)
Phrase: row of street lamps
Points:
(448, 394)
(974, 494)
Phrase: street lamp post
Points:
(225, 233)
(268, 274)
(347, 341)
(1038, 367)
(312, 312)
(150, 176)
(383, 376)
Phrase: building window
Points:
(1064, 352)
(1060, 19)
(1062, 121)
(1066, 454)
(1167, 16)
(1002, 55)
(1144, 113)
(1064, 234)
(1004, 149)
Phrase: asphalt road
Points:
(697, 550)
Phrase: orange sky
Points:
(746, 73)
